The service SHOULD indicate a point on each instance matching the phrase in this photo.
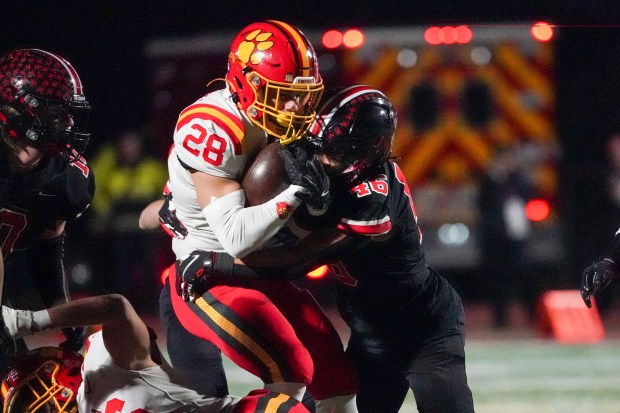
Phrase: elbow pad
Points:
(241, 230)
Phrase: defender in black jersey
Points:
(406, 320)
(44, 180)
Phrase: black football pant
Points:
(433, 370)
(198, 360)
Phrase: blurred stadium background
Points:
(470, 82)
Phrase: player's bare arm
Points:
(149, 217)
(125, 335)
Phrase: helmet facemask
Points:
(55, 128)
(285, 110)
(44, 380)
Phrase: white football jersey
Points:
(106, 387)
(212, 136)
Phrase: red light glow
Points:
(332, 39)
(543, 32)
(164, 275)
(448, 35)
(320, 272)
(353, 38)
(463, 34)
(433, 35)
(537, 210)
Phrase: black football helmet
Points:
(356, 127)
(42, 103)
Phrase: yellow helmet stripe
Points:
(302, 46)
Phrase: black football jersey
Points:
(30, 203)
(387, 277)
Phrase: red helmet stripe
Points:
(75, 79)
(300, 40)
(233, 127)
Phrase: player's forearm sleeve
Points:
(241, 230)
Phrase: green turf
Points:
(525, 376)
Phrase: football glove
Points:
(192, 273)
(169, 221)
(595, 278)
(305, 170)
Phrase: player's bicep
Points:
(126, 337)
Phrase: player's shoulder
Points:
(215, 111)
(73, 184)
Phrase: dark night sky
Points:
(104, 39)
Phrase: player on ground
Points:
(406, 320)
(272, 89)
(44, 180)
(122, 370)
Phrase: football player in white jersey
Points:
(271, 329)
(122, 371)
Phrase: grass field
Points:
(524, 376)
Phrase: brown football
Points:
(266, 177)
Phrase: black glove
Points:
(192, 273)
(75, 338)
(595, 278)
(317, 182)
(309, 174)
(168, 219)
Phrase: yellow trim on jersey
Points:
(239, 133)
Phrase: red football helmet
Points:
(42, 103)
(45, 379)
(355, 127)
(273, 73)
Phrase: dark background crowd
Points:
(106, 41)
